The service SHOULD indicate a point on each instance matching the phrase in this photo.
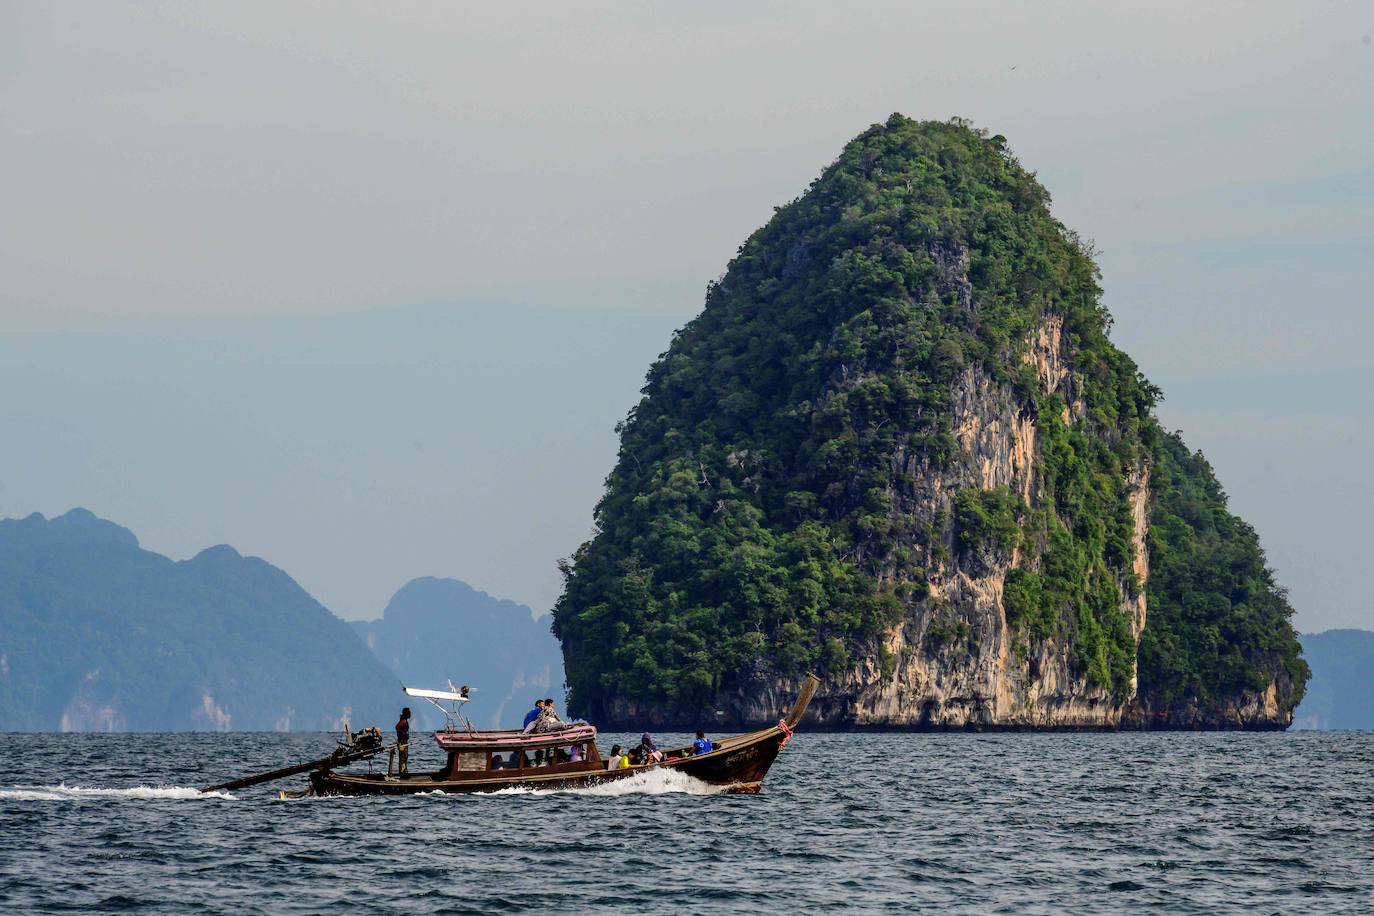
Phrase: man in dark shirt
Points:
(403, 740)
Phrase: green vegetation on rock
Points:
(782, 497)
(1218, 623)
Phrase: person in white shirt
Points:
(614, 762)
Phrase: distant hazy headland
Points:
(98, 634)
(1340, 694)
(434, 629)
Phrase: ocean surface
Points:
(1093, 823)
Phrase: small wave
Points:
(65, 792)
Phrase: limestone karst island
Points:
(898, 448)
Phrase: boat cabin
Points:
(477, 754)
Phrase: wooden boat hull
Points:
(739, 764)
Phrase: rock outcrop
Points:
(898, 447)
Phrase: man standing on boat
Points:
(403, 741)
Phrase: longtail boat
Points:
(565, 757)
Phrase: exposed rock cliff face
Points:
(1248, 710)
(987, 677)
(898, 448)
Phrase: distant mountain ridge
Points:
(1340, 695)
(98, 634)
(436, 629)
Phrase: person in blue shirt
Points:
(532, 717)
(702, 745)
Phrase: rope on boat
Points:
(786, 733)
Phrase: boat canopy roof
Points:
(454, 740)
(435, 694)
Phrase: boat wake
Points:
(652, 782)
(80, 793)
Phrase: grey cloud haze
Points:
(366, 292)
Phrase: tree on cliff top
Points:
(751, 523)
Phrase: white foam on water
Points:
(65, 792)
(650, 782)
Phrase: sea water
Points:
(1090, 823)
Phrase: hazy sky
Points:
(363, 290)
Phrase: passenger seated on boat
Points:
(576, 755)
(702, 745)
(548, 719)
(543, 709)
(515, 761)
(558, 755)
(648, 751)
(497, 763)
(614, 762)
